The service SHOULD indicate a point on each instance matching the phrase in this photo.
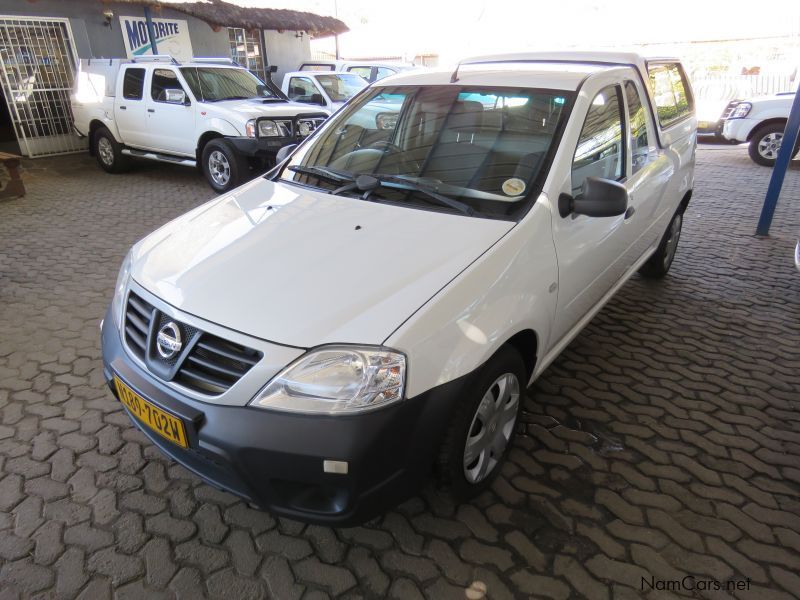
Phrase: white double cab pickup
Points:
(209, 113)
(322, 339)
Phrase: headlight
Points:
(741, 111)
(268, 129)
(304, 128)
(337, 380)
(117, 304)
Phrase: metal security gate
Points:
(38, 59)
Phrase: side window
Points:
(670, 92)
(600, 151)
(364, 72)
(384, 72)
(163, 80)
(301, 89)
(133, 84)
(637, 122)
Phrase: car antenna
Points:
(454, 76)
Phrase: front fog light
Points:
(304, 128)
(337, 380)
(268, 128)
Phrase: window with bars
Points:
(247, 50)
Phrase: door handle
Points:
(123, 108)
(151, 110)
(629, 212)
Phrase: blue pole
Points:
(785, 152)
(151, 31)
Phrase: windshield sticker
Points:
(513, 187)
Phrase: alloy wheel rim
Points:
(672, 240)
(106, 151)
(491, 428)
(769, 145)
(219, 167)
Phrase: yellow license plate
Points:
(163, 423)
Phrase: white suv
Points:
(320, 340)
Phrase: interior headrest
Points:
(466, 114)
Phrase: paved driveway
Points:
(664, 442)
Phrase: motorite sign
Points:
(172, 37)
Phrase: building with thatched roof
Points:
(41, 42)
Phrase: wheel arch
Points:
(526, 343)
(94, 125)
(684, 202)
(765, 123)
(203, 140)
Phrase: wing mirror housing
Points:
(317, 99)
(175, 97)
(284, 153)
(598, 198)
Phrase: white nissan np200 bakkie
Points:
(321, 339)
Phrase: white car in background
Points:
(761, 122)
(323, 339)
(371, 71)
(326, 90)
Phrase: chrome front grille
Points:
(206, 364)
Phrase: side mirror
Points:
(598, 198)
(260, 89)
(284, 153)
(175, 97)
(317, 99)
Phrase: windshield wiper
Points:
(430, 192)
(322, 173)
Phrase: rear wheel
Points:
(223, 167)
(483, 426)
(108, 152)
(657, 266)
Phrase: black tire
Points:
(451, 467)
(223, 167)
(657, 266)
(765, 142)
(108, 152)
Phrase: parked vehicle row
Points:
(323, 339)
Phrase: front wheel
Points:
(765, 143)
(483, 426)
(223, 167)
(657, 266)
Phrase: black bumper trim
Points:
(274, 460)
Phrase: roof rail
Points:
(156, 58)
(219, 61)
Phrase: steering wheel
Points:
(392, 148)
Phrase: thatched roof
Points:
(226, 14)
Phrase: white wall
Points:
(286, 51)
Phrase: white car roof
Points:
(317, 73)
(556, 76)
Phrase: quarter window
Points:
(600, 151)
(163, 80)
(301, 89)
(365, 72)
(384, 72)
(670, 92)
(133, 84)
(637, 121)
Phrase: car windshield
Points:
(341, 87)
(483, 149)
(215, 84)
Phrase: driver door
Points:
(591, 250)
(170, 126)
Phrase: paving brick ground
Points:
(664, 442)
